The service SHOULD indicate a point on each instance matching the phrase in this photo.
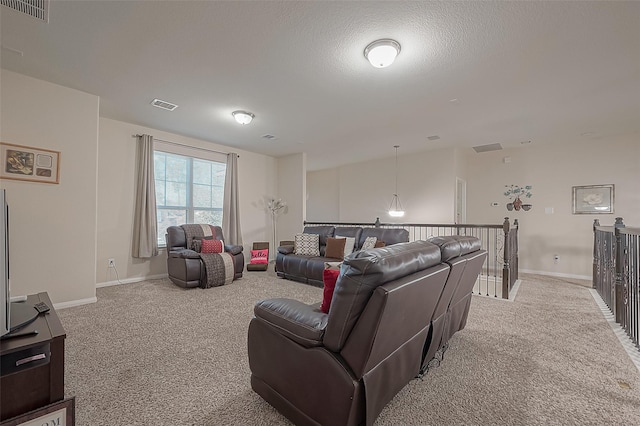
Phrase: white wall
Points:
(257, 177)
(323, 195)
(552, 171)
(292, 188)
(53, 227)
(426, 183)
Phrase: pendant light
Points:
(395, 208)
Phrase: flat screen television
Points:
(16, 315)
(5, 299)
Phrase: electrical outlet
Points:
(111, 263)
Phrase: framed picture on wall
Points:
(20, 162)
(593, 199)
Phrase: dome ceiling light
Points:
(382, 53)
(243, 117)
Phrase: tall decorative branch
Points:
(275, 207)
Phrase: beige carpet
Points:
(152, 353)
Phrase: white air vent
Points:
(37, 8)
(487, 148)
(433, 138)
(163, 104)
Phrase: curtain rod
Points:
(187, 146)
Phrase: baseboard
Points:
(557, 274)
(73, 303)
(131, 280)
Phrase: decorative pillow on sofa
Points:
(307, 245)
(212, 246)
(259, 257)
(380, 244)
(348, 246)
(329, 277)
(196, 243)
(369, 243)
(335, 248)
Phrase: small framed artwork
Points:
(31, 164)
(593, 199)
(62, 413)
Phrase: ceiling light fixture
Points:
(382, 53)
(395, 208)
(243, 117)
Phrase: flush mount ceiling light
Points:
(243, 117)
(382, 53)
(395, 208)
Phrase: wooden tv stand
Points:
(38, 383)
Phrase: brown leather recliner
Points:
(465, 257)
(185, 267)
(343, 367)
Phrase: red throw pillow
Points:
(259, 256)
(212, 246)
(329, 277)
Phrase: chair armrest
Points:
(184, 254)
(302, 323)
(285, 249)
(233, 249)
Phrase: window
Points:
(188, 190)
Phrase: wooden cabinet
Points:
(27, 379)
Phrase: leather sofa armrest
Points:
(302, 323)
(285, 249)
(184, 254)
(233, 249)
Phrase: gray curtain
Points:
(145, 223)
(231, 208)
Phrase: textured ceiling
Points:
(548, 72)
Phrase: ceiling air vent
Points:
(37, 8)
(270, 137)
(487, 148)
(163, 104)
(433, 138)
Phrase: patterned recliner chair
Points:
(186, 267)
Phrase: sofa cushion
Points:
(212, 246)
(335, 247)
(307, 245)
(362, 273)
(449, 247)
(259, 256)
(379, 244)
(349, 231)
(388, 235)
(468, 244)
(369, 243)
(323, 231)
(329, 278)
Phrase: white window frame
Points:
(191, 154)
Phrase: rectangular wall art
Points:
(31, 164)
(593, 199)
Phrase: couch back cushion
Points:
(388, 235)
(362, 273)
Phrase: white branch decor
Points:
(275, 207)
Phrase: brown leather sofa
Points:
(343, 367)
(185, 267)
(308, 269)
